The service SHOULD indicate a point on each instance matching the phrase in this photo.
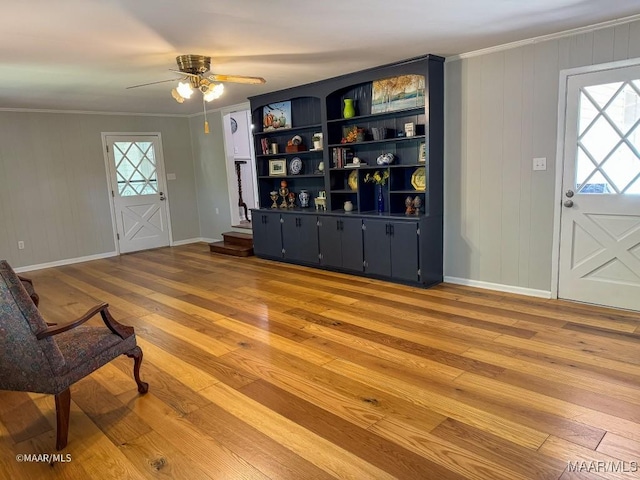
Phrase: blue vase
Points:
(380, 200)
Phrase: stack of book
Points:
(342, 156)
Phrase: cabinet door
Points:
(267, 237)
(352, 252)
(404, 250)
(377, 247)
(308, 239)
(300, 238)
(330, 238)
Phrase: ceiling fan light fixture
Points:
(184, 89)
(178, 98)
(213, 92)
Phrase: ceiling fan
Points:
(194, 69)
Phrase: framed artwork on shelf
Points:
(277, 168)
(276, 116)
(422, 152)
(397, 93)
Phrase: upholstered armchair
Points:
(35, 357)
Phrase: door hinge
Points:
(107, 147)
(113, 194)
(118, 235)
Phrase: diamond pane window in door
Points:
(608, 153)
(135, 168)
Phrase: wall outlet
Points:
(540, 163)
(20, 245)
(217, 211)
(171, 176)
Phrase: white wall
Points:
(501, 112)
(53, 184)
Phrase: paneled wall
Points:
(501, 111)
(53, 184)
(211, 176)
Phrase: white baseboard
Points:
(531, 292)
(67, 261)
(191, 240)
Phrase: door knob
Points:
(569, 193)
(568, 203)
(162, 197)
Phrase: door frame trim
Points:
(227, 143)
(107, 167)
(560, 145)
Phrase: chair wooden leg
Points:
(63, 406)
(136, 354)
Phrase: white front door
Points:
(600, 213)
(139, 192)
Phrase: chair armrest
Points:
(121, 330)
(25, 280)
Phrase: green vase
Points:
(349, 110)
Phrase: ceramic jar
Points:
(348, 206)
(303, 196)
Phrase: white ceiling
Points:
(81, 54)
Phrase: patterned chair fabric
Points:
(51, 363)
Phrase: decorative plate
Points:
(234, 125)
(295, 167)
(297, 140)
(419, 179)
(353, 180)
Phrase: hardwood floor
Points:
(261, 370)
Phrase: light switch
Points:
(540, 163)
(171, 176)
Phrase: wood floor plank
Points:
(446, 406)
(377, 450)
(317, 450)
(268, 370)
(197, 447)
(581, 458)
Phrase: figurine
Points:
(284, 193)
(292, 200)
(410, 207)
(274, 199)
(417, 203)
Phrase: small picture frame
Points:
(422, 152)
(409, 129)
(277, 168)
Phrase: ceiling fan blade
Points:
(184, 73)
(154, 83)
(237, 79)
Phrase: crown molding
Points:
(83, 112)
(544, 38)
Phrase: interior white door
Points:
(138, 190)
(600, 214)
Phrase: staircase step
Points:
(231, 249)
(238, 238)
